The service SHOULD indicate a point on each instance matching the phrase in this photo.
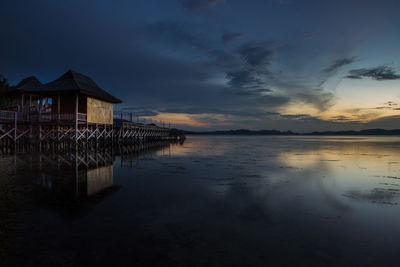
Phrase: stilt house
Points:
(73, 97)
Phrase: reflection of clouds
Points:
(318, 169)
(205, 146)
(376, 195)
(230, 197)
(372, 154)
(274, 172)
(300, 160)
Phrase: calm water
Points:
(212, 201)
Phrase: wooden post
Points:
(22, 103)
(122, 132)
(112, 135)
(105, 134)
(29, 110)
(97, 136)
(87, 134)
(76, 117)
(58, 107)
(15, 125)
(58, 116)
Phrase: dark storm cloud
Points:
(338, 64)
(198, 5)
(243, 78)
(251, 75)
(381, 73)
(229, 37)
(248, 82)
(257, 53)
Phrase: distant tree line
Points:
(276, 132)
(4, 87)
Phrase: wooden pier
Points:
(66, 129)
(69, 111)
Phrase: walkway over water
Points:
(37, 127)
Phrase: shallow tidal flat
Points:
(215, 200)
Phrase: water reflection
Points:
(62, 176)
(215, 200)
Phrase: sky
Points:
(219, 64)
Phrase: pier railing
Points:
(6, 115)
(29, 126)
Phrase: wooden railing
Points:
(7, 115)
(39, 116)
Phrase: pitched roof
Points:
(74, 81)
(27, 84)
(70, 81)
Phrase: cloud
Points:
(255, 77)
(296, 116)
(242, 78)
(175, 61)
(338, 64)
(170, 33)
(318, 98)
(257, 53)
(229, 37)
(199, 5)
(248, 81)
(341, 118)
(250, 77)
(381, 73)
(138, 111)
(387, 105)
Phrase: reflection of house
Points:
(73, 96)
(72, 182)
(99, 179)
(72, 175)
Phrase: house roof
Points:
(71, 81)
(29, 83)
(26, 85)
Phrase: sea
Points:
(206, 201)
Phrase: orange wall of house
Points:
(99, 111)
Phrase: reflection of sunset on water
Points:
(217, 193)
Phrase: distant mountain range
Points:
(276, 132)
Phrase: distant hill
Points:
(276, 132)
